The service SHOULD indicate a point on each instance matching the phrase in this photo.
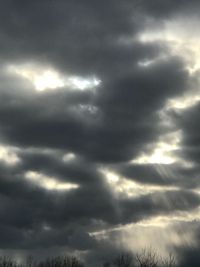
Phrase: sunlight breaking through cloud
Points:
(162, 151)
(99, 128)
(69, 157)
(9, 155)
(182, 41)
(176, 217)
(50, 79)
(124, 187)
(48, 182)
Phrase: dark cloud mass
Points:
(99, 132)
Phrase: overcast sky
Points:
(99, 128)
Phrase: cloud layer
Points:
(99, 135)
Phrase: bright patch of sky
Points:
(9, 155)
(124, 187)
(162, 151)
(185, 43)
(48, 182)
(50, 79)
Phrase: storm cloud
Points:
(99, 132)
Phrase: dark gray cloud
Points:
(119, 103)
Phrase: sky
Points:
(99, 128)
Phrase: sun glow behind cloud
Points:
(44, 78)
(9, 155)
(48, 182)
(182, 41)
(162, 151)
(123, 187)
(159, 232)
(68, 157)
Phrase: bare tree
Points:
(7, 262)
(169, 262)
(67, 261)
(147, 258)
(124, 260)
(30, 261)
(150, 258)
(107, 264)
